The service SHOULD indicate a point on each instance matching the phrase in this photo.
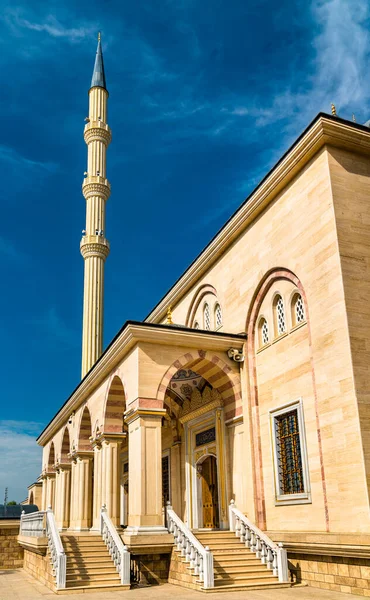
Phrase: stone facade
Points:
(11, 554)
(169, 400)
(39, 566)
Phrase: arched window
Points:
(279, 315)
(218, 316)
(297, 309)
(263, 332)
(196, 325)
(206, 317)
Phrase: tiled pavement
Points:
(18, 585)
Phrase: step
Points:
(239, 587)
(88, 553)
(245, 577)
(232, 570)
(87, 578)
(237, 562)
(95, 570)
(84, 545)
(81, 560)
(94, 586)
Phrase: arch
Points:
(202, 291)
(214, 370)
(51, 459)
(297, 309)
(115, 406)
(263, 287)
(85, 431)
(263, 331)
(66, 446)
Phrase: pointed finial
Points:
(99, 37)
(98, 78)
(333, 110)
(169, 316)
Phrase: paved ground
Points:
(18, 585)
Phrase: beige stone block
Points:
(357, 591)
(322, 567)
(329, 578)
(343, 570)
(354, 571)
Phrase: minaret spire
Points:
(96, 189)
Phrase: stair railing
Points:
(33, 524)
(274, 556)
(199, 557)
(58, 556)
(117, 549)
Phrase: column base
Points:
(146, 530)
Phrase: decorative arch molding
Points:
(51, 457)
(84, 430)
(65, 448)
(266, 283)
(202, 291)
(213, 369)
(114, 405)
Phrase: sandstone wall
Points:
(11, 554)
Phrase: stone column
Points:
(97, 491)
(43, 496)
(145, 471)
(175, 464)
(110, 458)
(63, 495)
(82, 491)
(50, 490)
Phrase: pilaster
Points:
(110, 459)
(63, 495)
(82, 490)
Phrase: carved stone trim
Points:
(200, 404)
(91, 189)
(97, 134)
(94, 249)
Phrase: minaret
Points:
(96, 189)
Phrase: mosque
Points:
(224, 441)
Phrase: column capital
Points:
(147, 413)
(47, 474)
(81, 455)
(108, 437)
(63, 466)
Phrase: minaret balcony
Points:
(97, 131)
(96, 186)
(94, 245)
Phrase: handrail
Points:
(57, 553)
(116, 547)
(199, 557)
(33, 524)
(274, 556)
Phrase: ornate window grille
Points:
(292, 480)
(264, 332)
(280, 316)
(289, 453)
(218, 316)
(165, 479)
(298, 309)
(207, 317)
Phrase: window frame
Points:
(261, 344)
(293, 301)
(217, 305)
(302, 497)
(278, 296)
(205, 307)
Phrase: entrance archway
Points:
(208, 493)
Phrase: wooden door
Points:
(210, 493)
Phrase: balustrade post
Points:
(282, 563)
(232, 515)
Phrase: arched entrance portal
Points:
(208, 493)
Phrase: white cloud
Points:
(20, 457)
(15, 159)
(51, 26)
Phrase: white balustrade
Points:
(117, 549)
(272, 555)
(199, 557)
(33, 524)
(42, 524)
(58, 556)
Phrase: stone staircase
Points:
(89, 564)
(236, 568)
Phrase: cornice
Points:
(131, 334)
(325, 130)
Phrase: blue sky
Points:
(205, 96)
